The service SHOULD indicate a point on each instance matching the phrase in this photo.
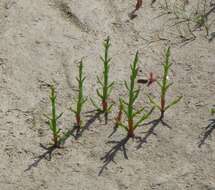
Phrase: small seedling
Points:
(164, 86)
(212, 111)
(190, 20)
(128, 107)
(52, 121)
(201, 19)
(105, 90)
(80, 99)
(118, 118)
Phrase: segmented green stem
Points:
(164, 86)
(53, 120)
(128, 108)
(106, 85)
(81, 99)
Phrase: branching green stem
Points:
(52, 121)
(106, 87)
(81, 100)
(128, 107)
(164, 86)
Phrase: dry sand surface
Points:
(41, 42)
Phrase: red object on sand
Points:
(148, 81)
(139, 4)
(151, 79)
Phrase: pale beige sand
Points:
(42, 41)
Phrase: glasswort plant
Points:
(106, 87)
(164, 86)
(52, 121)
(81, 100)
(128, 107)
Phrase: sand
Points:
(42, 41)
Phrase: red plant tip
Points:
(151, 79)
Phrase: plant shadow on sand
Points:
(92, 118)
(114, 130)
(75, 132)
(110, 155)
(47, 155)
(151, 131)
(207, 132)
(120, 145)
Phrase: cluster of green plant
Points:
(128, 117)
(193, 20)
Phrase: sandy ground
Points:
(41, 41)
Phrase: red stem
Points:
(104, 106)
(78, 120)
(55, 139)
(119, 117)
(162, 107)
(130, 128)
